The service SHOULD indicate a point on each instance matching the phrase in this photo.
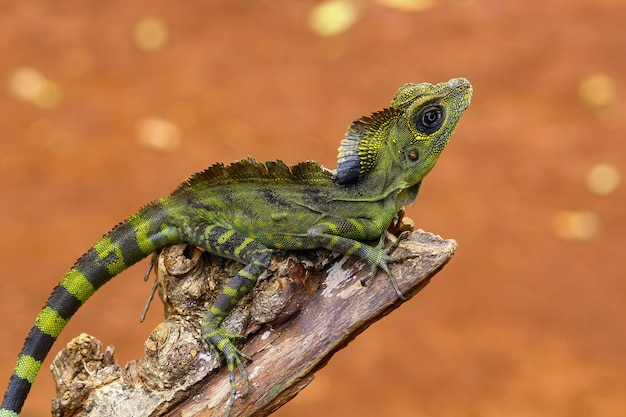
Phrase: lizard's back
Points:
(272, 202)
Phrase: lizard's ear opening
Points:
(361, 145)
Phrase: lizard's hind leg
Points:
(256, 257)
(232, 292)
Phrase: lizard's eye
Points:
(429, 119)
(414, 155)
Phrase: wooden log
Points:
(309, 305)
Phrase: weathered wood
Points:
(310, 305)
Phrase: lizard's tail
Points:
(128, 242)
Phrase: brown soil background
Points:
(522, 322)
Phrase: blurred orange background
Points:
(108, 105)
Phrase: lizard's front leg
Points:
(230, 244)
(342, 235)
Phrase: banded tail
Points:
(129, 242)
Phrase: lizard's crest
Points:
(408, 136)
(362, 144)
(250, 170)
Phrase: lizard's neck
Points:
(386, 178)
(380, 187)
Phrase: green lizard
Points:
(244, 210)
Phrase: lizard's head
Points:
(406, 139)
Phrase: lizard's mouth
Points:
(459, 90)
(465, 90)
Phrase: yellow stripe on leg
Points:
(355, 247)
(242, 246)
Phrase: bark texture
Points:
(309, 305)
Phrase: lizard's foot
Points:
(385, 259)
(221, 340)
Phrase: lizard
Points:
(245, 210)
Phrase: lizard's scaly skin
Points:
(244, 210)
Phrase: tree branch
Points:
(308, 306)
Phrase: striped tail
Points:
(129, 242)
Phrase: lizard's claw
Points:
(221, 341)
(233, 358)
(384, 258)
